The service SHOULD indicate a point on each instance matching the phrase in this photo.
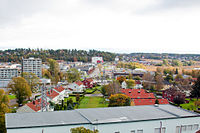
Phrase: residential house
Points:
(77, 86)
(53, 96)
(141, 97)
(88, 83)
(124, 85)
(34, 106)
(138, 84)
(62, 92)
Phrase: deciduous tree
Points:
(130, 83)
(73, 75)
(32, 80)
(19, 86)
(119, 100)
(82, 130)
(196, 89)
(4, 108)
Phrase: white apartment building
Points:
(8, 73)
(32, 65)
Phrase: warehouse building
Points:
(130, 119)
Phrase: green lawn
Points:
(11, 97)
(93, 102)
(72, 97)
(190, 105)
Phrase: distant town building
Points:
(96, 60)
(8, 73)
(116, 59)
(32, 65)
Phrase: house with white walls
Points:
(77, 86)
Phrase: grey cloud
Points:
(12, 11)
(166, 5)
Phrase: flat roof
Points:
(96, 116)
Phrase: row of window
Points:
(134, 131)
(179, 129)
(185, 128)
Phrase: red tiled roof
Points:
(138, 93)
(137, 82)
(35, 105)
(70, 89)
(149, 101)
(52, 94)
(60, 89)
(198, 131)
(89, 79)
(79, 83)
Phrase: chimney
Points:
(33, 102)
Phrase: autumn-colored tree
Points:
(130, 83)
(196, 89)
(104, 90)
(4, 108)
(82, 130)
(179, 98)
(159, 82)
(46, 74)
(73, 75)
(32, 80)
(148, 78)
(178, 77)
(121, 79)
(54, 69)
(19, 86)
(113, 87)
(119, 100)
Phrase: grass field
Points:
(93, 102)
(72, 97)
(11, 97)
(190, 105)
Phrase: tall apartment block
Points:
(32, 65)
(8, 73)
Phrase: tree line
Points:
(16, 55)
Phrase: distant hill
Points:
(16, 55)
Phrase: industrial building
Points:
(130, 119)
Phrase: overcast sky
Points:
(123, 26)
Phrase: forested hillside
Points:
(61, 54)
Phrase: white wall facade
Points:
(32, 65)
(144, 126)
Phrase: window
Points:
(183, 128)
(189, 127)
(178, 129)
(157, 130)
(139, 131)
(132, 131)
(117, 132)
(196, 127)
